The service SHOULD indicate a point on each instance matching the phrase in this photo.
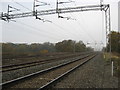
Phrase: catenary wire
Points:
(52, 22)
(82, 26)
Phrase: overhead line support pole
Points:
(8, 13)
(57, 8)
(34, 8)
(108, 32)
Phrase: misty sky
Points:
(88, 26)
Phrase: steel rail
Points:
(13, 65)
(14, 81)
(54, 81)
(29, 64)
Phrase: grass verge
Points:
(115, 57)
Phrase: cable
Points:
(26, 30)
(45, 33)
(30, 10)
(63, 28)
(79, 24)
(86, 31)
(11, 28)
(21, 5)
(83, 27)
(36, 29)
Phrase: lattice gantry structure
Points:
(6, 16)
(35, 13)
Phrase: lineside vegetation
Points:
(11, 50)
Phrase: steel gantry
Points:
(5, 16)
(36, 13)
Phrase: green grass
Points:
(116, 59)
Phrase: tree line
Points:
(18, 50)
(115, 42)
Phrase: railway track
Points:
(34, 63)
(45, 78)
(32, 56)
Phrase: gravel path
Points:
(94, 74)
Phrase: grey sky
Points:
(87, 27)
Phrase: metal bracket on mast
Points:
(35, 13)
(58, 10)
(10, 9)
(3, 16)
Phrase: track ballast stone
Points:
(94, 74)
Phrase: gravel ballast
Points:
(25, 71)
(43, 78)
(94, 74)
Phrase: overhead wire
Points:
(63, 29)
(36, 29)
(22, 5)
(24, 29)
(11, 28)
(73, 29)
(60, 26)
(58, 36)
(94, 40)
(82, 26)
(31, 10)
(53, 23)
(84, 30)
(24, 23)
(101, 44)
